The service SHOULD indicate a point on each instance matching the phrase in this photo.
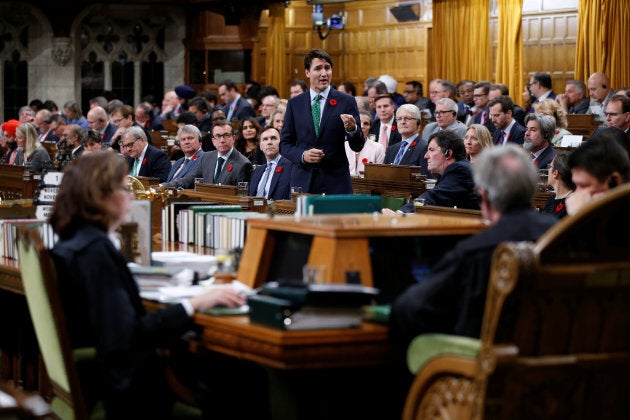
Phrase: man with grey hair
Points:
(574, 99)
(451, 298)
(411, 149)
(538, 134)
(144, 159)
(189, 138)
(445, 119)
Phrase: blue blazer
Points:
(242, 110)
(516, 135)
(280, 187)
(545, 158)
(236, 168)
(110, 130)
(155, 164)
(454, 188)
(190, 168)
(414, 156)
(331, 175)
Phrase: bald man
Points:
(600, 92)
(98, 120)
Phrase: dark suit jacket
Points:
(519, 115)
(50, 137)
(454, 188)
(280, 187)
(414, 156)
(104, 310)
(191, 167)
(236, 168)
(108, 134)
(77, 152)
(242, 110)
(581, 107)
(394, 135)
(331, 175)
(451, 300)
(516, 135)
(545, 158)
(552, 95)
(487, 122)
(155, 164)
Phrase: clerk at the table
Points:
(100, 297)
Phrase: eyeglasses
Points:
(405, 119)
(222, 136)
(479, 95)
(129, 145)
(440, 113)
(435, 92)
(117, 121)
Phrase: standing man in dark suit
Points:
(236, 107)
(272, 180)
(384, 128)
(189, 138)
(412, 148)
(225, 165)
(144, 159)
(507, 129)
(316, 125)
(538, 134)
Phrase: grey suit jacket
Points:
(237, 168)
(38, 158)
(457, 127)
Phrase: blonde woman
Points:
(277, 118)
(34, 152)
(552, 108)
(477, 138)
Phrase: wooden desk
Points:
(14, 185)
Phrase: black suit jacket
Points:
(332, 174)
(155, 164)
(544, 159)
(516, 135)
(414, 156)
(454, 188)
(108, 134)
(280, 187)
(237, 168)
(394, 135)
(581, 107)
(242, 110)
(451, 300)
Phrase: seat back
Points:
(40, 287)
(556, 329)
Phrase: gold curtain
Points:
(602, 40)
(509, 62)
(275, 60)
(461, 39)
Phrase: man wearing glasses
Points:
(225, 165)
(411, 150)
(445, 119)
(540, 88)
(144, 159)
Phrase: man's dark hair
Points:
(483, 84)
(267, 90)
(544, 79)
(505, 101)
(313, 54)
(58, 118)
(229, 85)
(625, 102)
(187, 117)
(417, 86)
(379, 97)
(501, 88)
(300, 83)
(613, 134)
(600, 158)
(450, 143)
(350, 88)
(50, 105)
(450, 86)
(199, 103)
(36, 104)
(380, 88)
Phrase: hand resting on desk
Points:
(226, 295)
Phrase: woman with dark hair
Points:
(560, 179)
(248, 141)
(100, 296)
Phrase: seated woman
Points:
(277, 118)
(477, 138)
(100, 296)
(34, 153)
(563, 186)
(248, 141)
(92, 142)
(552, 108)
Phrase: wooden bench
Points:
(555, 339)
(582, 124)
(15, 185)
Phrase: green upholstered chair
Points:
(40, 286)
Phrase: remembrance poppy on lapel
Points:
(235, 108)
(144, 161)
(279, 169)
(413, 144)
(332, 102)
(194, 157)
(509, 136)
(559, 207)
(364, 160)
(393, 128)
(229, 168)
(535, 163)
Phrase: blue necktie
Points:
(262, 186)
(181, 167)
(401, 152)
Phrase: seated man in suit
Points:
(445, 119)
(144, 159)
(97, 120)
(574, 99)
(518, 113)
(235, 106)
(411, 150)
(538, 134)
(75, 135)
(451, 299)
(541, 88)
(272, 180)
(446, 158)
(507, 129)
(225, 165)
(384, 127)
(189, 138)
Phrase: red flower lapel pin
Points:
(144, 161)
(229, 168)
(279, 169)
(333, 102)
(559, 207)
(393, 128)
(364, 160)
(195, 157)
(413, 144)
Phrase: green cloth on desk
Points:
(427, 346)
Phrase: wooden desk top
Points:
(236, 336)
(371, 225)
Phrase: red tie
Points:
(382, 138)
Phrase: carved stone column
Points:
(61, 50)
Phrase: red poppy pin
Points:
(364, 160)
(535, 163)
(332, 102)
(509, 136)
(144, 161)
(279, 169)
(235, 108)
(559, 207)
(195, 157)
(413, 144)
(557, 132)
(393, 128)
(229, 168)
